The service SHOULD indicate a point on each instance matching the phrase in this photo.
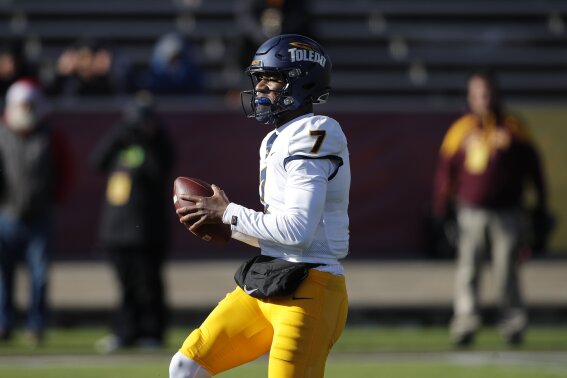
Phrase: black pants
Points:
(142, 312)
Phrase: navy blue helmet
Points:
(303, 65)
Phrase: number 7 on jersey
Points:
(320, 137)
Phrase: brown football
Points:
(216, 233)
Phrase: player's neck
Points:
(292, 114)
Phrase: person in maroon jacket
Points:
(485, 162)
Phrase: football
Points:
(216, 233)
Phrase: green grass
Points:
(361, 352)
(86, 371)
(411, 370)
(435, 339)
(334, 370)
(355, 339)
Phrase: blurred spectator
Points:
(13, 65)
(172, 69)
(485, 162)
(259, 20)
(137, 155)
(34, 175)
(256, 21)
(90, 68)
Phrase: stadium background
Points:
(399, 75)
(398, 82)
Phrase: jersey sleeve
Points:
(304, 201)
(443, 180)
(455, 136)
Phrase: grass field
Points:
(398, 352)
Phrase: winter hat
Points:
(19, 119)
(24, 90)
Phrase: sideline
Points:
(370, 283)
(548, 360)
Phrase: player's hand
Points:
(205, 210)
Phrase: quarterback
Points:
(291, 300)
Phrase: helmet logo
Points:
(304, 52)
(301, 45)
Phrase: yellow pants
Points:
(298, 331)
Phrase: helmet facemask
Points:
(262, 108)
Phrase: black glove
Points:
(443, 236)
(542, 224)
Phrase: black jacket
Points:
(28, 174)
(137, 196)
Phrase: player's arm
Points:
(313, 160)
(209, 210)
(295, 226)
(532, 160)
(304, 202)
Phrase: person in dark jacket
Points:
(172, 68)
(137, 155)
(35, 173)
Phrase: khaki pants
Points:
(497, 231)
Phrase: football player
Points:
(304, 188)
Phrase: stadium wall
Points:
(393, 156)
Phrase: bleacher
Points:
(390, 53)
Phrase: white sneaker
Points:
(108, 344)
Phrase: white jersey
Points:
(304, 187)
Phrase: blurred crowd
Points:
(96, 67)
(92, 67)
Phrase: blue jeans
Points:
(31, 240)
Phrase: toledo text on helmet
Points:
(305, 53)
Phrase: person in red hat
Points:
(34, 175)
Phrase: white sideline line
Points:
(543, 360)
